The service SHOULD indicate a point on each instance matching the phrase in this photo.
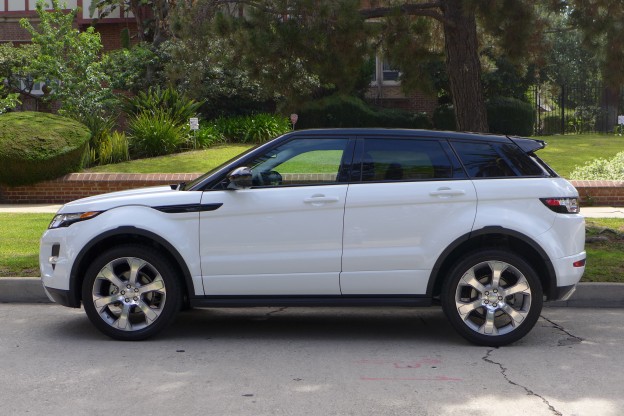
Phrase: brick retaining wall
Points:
(80, 185)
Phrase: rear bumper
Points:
(62, 297)
(563, 293)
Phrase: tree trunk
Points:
(609, 105)
(463, 66)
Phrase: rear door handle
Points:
(446, 192)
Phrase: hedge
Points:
(39, 146)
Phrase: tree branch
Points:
(419, 9)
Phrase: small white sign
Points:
(620, 119)
(293, 118)
(194, 123)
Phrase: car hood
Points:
(149, 197)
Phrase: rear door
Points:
(411, 202)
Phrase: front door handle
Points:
(320, 199)
(447, 192)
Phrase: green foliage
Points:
(551, 124)
(258, 128)
(583, 120)
(618, 130)
(69, 61)
(444, 118)
(169, 102)
(134, 69)
(114, 149)
(601, 169)
(154, 133)
(207, 136)
(344, 111)
(8, 101)
(39, 146)
(13, 63)
(511, 116)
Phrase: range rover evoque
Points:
(342, 217)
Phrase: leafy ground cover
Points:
(20, 235)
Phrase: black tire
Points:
(127, 307)
(486, 312)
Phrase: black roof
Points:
(526, 144)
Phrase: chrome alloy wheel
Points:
(493, 298)
(129, 294)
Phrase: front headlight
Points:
(65, 220)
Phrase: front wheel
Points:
(131, 292)
(492, 297)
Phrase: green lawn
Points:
(197, 161)
(20, 233)
(563, 154)
(19, 243)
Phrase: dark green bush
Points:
(176, 106)
(444, 118)
(154, 134)
(345, 111)
(551, 124)
(510, 116)
(39, 146)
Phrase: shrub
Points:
(176, 106)
(345, 111)
(39, 146)
(508, 115)
(207, 136)
(258, 128)
(444, 118)
(601, 169)
(551, 124)
(154, 134)
(114, 149)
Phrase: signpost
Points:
(194, 124)
(293, 119)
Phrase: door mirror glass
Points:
(240, 178)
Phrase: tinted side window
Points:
(404, 159)
(520, 161)
(481, 160)
(300, 162)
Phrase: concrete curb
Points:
(587, 295)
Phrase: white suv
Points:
(341, 217)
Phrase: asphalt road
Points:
(276, 361)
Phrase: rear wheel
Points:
(131, 292)
(492, 297)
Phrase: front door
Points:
(283, 236)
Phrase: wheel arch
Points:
(495, 237)
(124, 235)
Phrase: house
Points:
(110, 27)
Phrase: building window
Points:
(385, 74)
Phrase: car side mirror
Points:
(240, 178)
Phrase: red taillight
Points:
(580, 263)
(562, 205)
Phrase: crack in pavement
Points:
(529, 392)
(572, 339)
